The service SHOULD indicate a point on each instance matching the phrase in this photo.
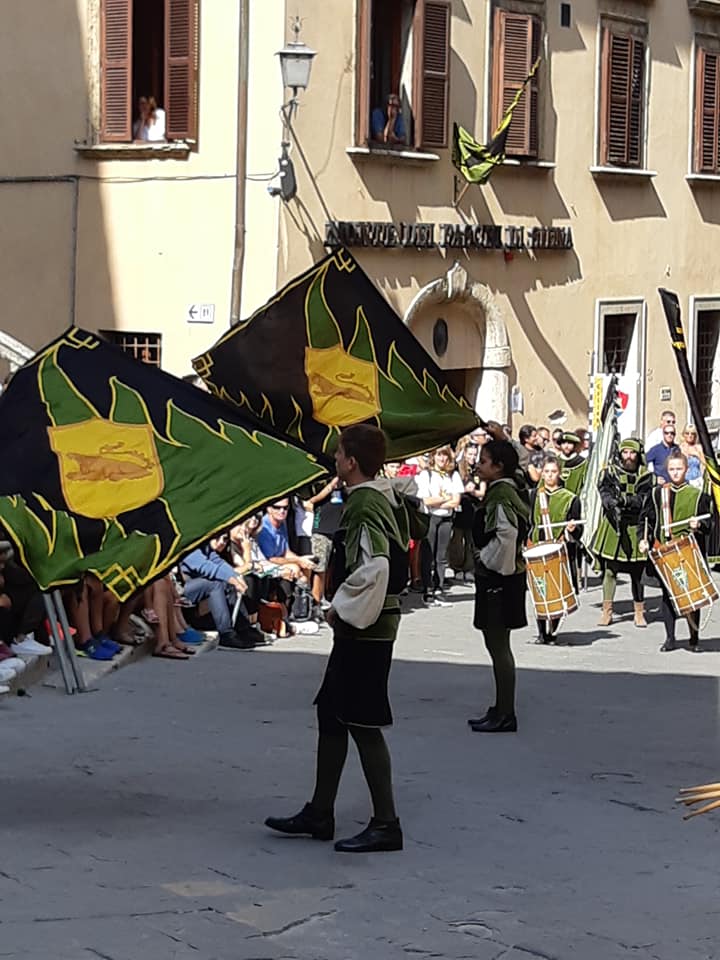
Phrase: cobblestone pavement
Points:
(132, 816)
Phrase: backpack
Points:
(301, 605)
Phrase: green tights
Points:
(376, 765)
(497, 641)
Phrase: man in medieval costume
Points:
(624, 486)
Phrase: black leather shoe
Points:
(490, 712)
(378, 835)
(695, 647)
(506, 723)
(307, 822)
(667, 646)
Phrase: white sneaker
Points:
(30, 647)
(6, 673)
(305, 628)
(4, 688)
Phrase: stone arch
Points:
(492, 386)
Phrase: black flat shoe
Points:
(377, 836)
(695, 648)
(305, 823)
(490, 712)
(496, 724)
(667, 646)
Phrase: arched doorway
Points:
(461, 327)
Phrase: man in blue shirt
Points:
(388, 126)
(657, 456)
(209, 577)
(273, 541)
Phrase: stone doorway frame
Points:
(492, 386)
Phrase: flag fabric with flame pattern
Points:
(329, 351)
(113, 467)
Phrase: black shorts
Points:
(500, 601)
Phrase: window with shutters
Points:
(148, 51)
(403, 73)
(623, 95)
(517, 43)
(707, 108)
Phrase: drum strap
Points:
(545, 514)
(666, 511)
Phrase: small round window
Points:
(440, 337)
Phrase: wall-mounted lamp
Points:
(296, 62)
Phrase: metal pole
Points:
(240, 161)
(69, 645)
(60, 652)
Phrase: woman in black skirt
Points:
(499, 532)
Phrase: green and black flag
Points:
(329, 351)
(114, 467)
(671, 306)
(476, 161)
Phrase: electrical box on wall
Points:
(665, 394)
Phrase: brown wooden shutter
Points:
(707, 112)
(362, 119)
(517, 39)
(624, 96)
(116, 70)
(432, 73)
(181, 56)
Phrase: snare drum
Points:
(685, 575)
(549, 581)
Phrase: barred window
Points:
(146, 347)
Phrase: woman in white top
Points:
(150, 124)
(440, 489)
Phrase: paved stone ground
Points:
(132, 816)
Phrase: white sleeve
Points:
(456, 484)
(423, 484)
(360, 598)
(499, 555)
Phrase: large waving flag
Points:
(671, 306)
(601, 456)
(329, 351)
(114, 467)
(476, 161)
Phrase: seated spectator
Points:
(150, 124)
(387, 125)
(327, 508)
(22, 609)
(272, 539)
(209, 577)
(92, 611)
(168, 642)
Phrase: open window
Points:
(403, 53)
(517, 43)
(623, 94)
(146, 347)
(148, 48)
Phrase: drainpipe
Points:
(241, 161)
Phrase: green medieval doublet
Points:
(684, 504)
(560, 503)
(369, 511)
(572, 473)
(503, 493)
(622, 493)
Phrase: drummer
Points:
(673, 502)
(573, 466)
(554, 512)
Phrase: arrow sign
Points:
(201, 313)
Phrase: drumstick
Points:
(566, 523)
(679, 523)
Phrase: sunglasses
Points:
(668, 433)
(283, 509)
